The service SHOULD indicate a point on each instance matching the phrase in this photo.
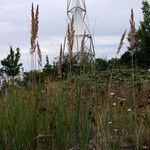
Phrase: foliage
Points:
(50, 70)
(91, 108)
(76, 113)
(39, 78)
(101, 64)
(47, 68)
(141, 53)
(11, 65)
(143, 34)
(66, 66)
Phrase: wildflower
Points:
(116, 130)
(42, 91)
(112, 94)
(129, 109)
(122, 99)
(145, 147)
(110, 123)
(114, 104)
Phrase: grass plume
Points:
(70, 38)
(34, 27)
(34, 34)
(82, 49)
(39, 54)
(121, 42)
(132, 35)
(60, 62)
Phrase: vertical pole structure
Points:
(77, 9)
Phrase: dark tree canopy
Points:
(101, 64)
(141, 53)
(48, 67)
(11, 65)
(50, 70)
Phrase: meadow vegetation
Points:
(71, 105)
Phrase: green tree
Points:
(143, 34)
(11, 65)
(47, 68)
(141, 52)
(66, 66)
(101, 64)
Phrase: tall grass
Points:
(90, 111)
(74, 114)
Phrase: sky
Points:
(107, 20)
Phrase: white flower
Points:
(112, 94)
(116, 130)
(122, 99)
(110, 122)
(114, 104)
(129, 109)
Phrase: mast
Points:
(76, 9)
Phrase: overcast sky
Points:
(107, 20)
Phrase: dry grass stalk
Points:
(132, 35)
(132, 40)
(70, 38)
(34, 34)
(82, 48)
(121, 42)
(113, 65)
(60, 62)
(34, 27)
(39, 54)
